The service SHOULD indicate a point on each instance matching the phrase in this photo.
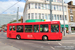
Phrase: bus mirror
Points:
(61, 32)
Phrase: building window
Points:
(71, 18)
(65, 17)
(32, 15)
(45, 16)
(65, 8)
(48, 16)
(39, 6)
(60, 8)
(39, 16)
(42, 16)
(54, 17)
(44, 28)
(60, 17)
(29, 16)
(47, 0)
(54, 0)
(57, 7)
(28, 28)
(45, 6)
(36, 6)
(19, 28)
(48, 6)
(32, 5)
(35, 15)
(29, 5)
(54, 7)
(73, 29)
(60, 1)
(70, 10)
(57, 17)
(42, 6)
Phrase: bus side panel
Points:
(29, 36)
(60, 37)
(24, 35)
(55, 36)
(40, 35)
(37, 35)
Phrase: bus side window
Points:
(10, 28)
(19, 28)
(28, 28)
(36, 28)
(44, 28)
(13, 28)
(54, 28)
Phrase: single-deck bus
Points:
(35, 30)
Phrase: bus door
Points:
(36, 32)
(29, 32)
(54, 31)
(10, 31)
(13, 31)
(40, 30)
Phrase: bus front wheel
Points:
(45, 38)
(18, 37)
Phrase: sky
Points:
(5, 4)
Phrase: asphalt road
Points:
(67, 43)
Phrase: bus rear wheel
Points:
(45, 38)
(18, 37)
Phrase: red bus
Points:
(35, 30)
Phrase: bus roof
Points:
(32, 23)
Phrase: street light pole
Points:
(50, 1)
(17, 14)
(63, 16)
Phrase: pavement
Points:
(67, 43)
(6, 47)
(70, 35)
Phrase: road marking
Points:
(60, 44)
(52, 47)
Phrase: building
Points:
(71, 12)
(6, 18)
(40, 9)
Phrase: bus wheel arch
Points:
(45, 37)
(18, 37)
